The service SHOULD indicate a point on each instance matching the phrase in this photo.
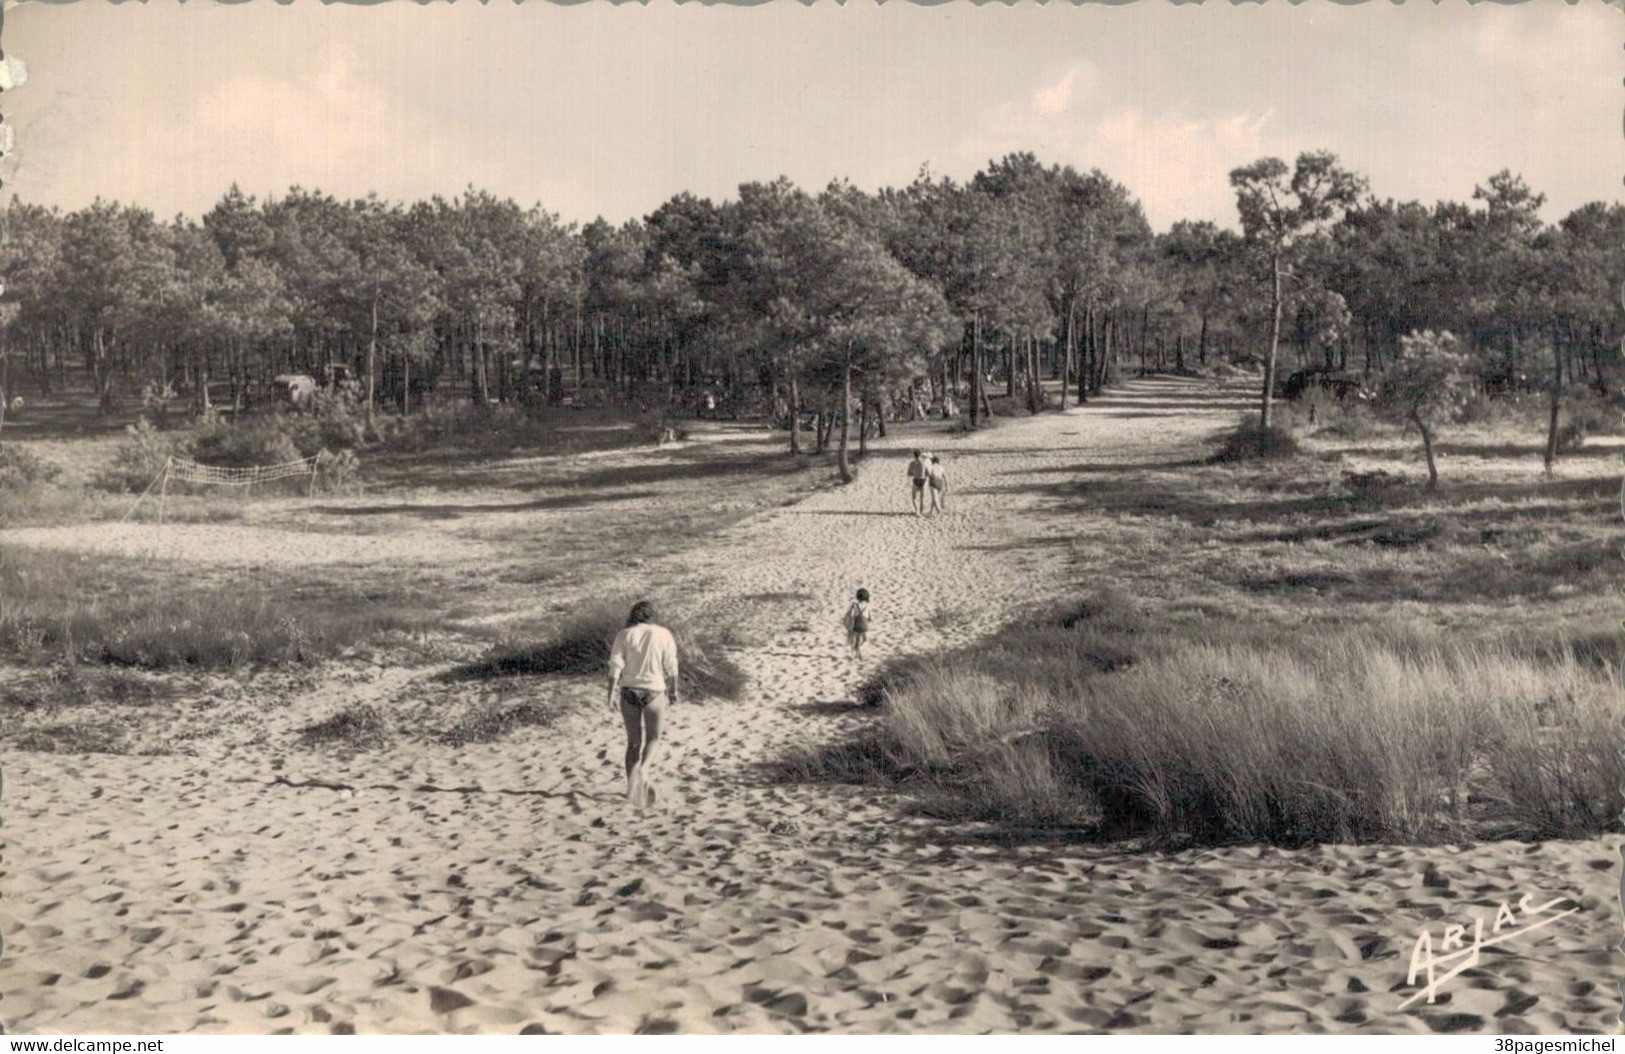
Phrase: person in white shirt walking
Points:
(642, 679)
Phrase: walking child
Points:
(857, 622)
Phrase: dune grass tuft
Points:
(579, 645)
(360, 726)
(1235, 733)
(491, 722)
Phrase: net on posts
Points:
(191, 472)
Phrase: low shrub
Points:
(1374, 484)
(259, 443)
(1571, 436)
(141, 457)
(1249, 441)
(505, 428)
(21, 467)
(339, 472)
(1349, 421)
(360, 726)
(72, 737)
(493, 721)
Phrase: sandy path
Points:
(507, 886)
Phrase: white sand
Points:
(502, 886)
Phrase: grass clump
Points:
(71, 737)
(491, 722)
(1249, 441)
(579, 645)
(136, 613)
(138, 460)
(360, 726)
(505, 429)
(1354, 733)
(21, 467)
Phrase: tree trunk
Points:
(846, 420)
(1557, 398)
(527, 351)
(1201, 342)
(1035, 380)
(863, 425)
(1427, 451)
(204, 407)
(1068, 349)
(976, 371)
(372, 364)
(1086, 356)
(795, 413)
(1275, 341)
(1114, 343)
(102, 374)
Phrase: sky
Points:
(600, 110)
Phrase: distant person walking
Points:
(857, 622)
(917, 474)
(938, 478)
(642, 679)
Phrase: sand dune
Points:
(506, 887)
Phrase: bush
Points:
(248, 445)
(21, 467)
(1249, 441)
(1374, 483)
(139, 459)
(1598, 414)
(337, 473)
(504, 428)
(1571, 436)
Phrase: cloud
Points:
(315, 126)
(1056, 99)
(1179, 166)
(1176, 164)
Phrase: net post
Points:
(163, 490)
(142, 496)
(315, 462)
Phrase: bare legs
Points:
(919, 501)
(642, 747)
